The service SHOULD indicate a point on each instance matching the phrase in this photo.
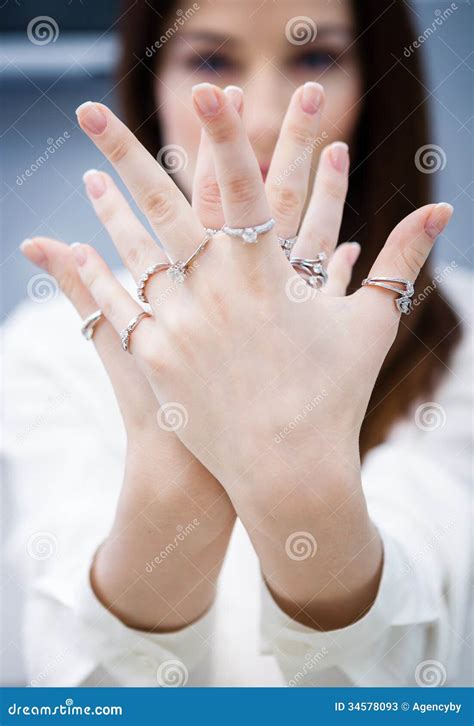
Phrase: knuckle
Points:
(209, 192)
(335, 190)
(158, 206)
(108, 308)
(240, 189)
(299, 135)
(223, 132)
(286, 201)
(119, 149)
(413, 259)
(68, 281)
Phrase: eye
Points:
(213, 64)
(313, 59)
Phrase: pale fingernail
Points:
(33, 252)
(311, 97)
(339, 155)
(94, 182)
(354, 252)
(206, 99)
(91, 117)
(438, 219)
(236, 96)
(79, 253)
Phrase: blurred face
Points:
(268, 49)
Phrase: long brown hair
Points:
(385, 183)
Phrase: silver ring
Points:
(403, 301)
(287, 245)
(176, 271)
(89, 323)
(127, 332)
(312, 270)
(249, 235)
(159, 267)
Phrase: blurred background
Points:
(56, 54)
(72, 59)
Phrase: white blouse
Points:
(64, 449)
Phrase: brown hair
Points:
(385, 183)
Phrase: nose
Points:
(267, 94)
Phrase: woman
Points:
(253, 390)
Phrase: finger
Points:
(115, 302)
(340, 269)
(57, 259)
(238, 173)
(134, 244)
(404, 253)
(166, 207)
(206, 193)
(322, 222)
(290, 168)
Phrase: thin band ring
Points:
(89, 324)
(312, 270)
(177, 271)
(287, 245)
(249, 235)
(126, 333)
(403, 301)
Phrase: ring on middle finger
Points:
(249, 235)
(312, 270)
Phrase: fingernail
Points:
(236, 96)
(91, 117)
(95, 183)
(33, 252)
(311, 97)
(339, 155)
(438, 219)
(79, 253)
(354, 252)
(206, 99)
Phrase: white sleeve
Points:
(63, 449)
(418, 490)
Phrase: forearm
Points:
(158, 567)
(322, 558)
